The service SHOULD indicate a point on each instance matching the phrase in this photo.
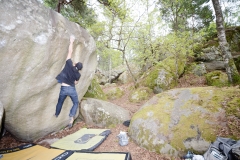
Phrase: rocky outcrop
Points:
(184, 119)
(103, 114)
(164, 75)
(212, 58)
(198, 69)
(34, 43)
(104, 77)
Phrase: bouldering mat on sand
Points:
(30, 152)
(84, 139)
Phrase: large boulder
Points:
(103, 114)
(184, 119)
(34, 45)
(1, 116)
(164, 75)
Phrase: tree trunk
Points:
(133, 77)
(231, 69)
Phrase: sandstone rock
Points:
(179, 120)
(1, 116)
(198, 69)
(125, 77)
(114, 93)
(214, 65)
(140, 94)
(34, 43)
(104, 77)
(163, 76)
(211, 53)
(103, 114)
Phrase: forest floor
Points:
(111, 142)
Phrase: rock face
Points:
(103, 114)
(1, 116)
(184, 119)
(34, 45)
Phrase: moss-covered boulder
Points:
(102, 113)
(184, 119)
(114, 93)
(140, 94)
(164, 75)
(95, 91)
(217, 78)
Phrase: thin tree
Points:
(61, 3)
(231, 69)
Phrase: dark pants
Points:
(72, 93)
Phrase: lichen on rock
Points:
(185, 119)
(140, 94)
(164, 75)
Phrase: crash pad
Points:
(82, 140)
(29, 151)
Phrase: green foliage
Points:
(180, 12)
(145, 45)
(209, 32)
(237, 63)
(231, 12)
(116, 7)
(108, 58)
(97, 30)
(176, 45)
(77, 11)
(150, 79)
(236, 79)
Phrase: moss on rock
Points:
(114, 93)
(95, 91)
(165, 74)
(178, 116)
(140, 94)
(217, 78)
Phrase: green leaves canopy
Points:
(183, 14)
(76, 11)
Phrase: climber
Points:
(68, 78)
